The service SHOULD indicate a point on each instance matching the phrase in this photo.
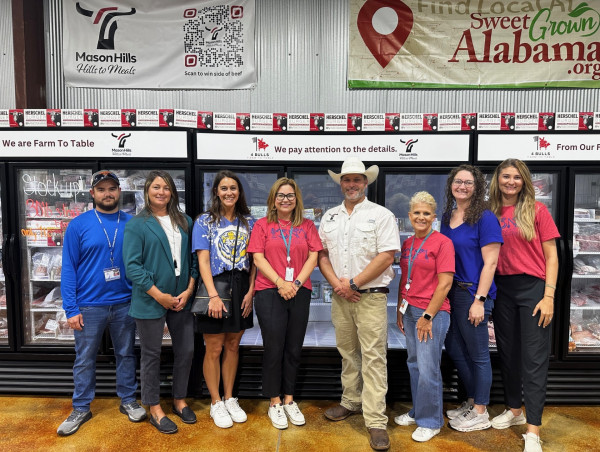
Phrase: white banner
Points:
(569, 147)
(474, 44)
(200, 44)
(94, 144)
(384, 148)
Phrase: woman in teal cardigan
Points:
(162, 269)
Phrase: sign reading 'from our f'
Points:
(474, 44)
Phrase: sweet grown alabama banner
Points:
(159, 44)
(474, 44)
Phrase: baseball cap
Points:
(99, 176)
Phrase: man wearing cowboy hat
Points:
(360, 239)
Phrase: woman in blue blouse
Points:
(477, 237)
(219, 234)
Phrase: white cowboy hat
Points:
(354, 166)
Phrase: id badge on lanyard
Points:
(112, 274)
(289, 271)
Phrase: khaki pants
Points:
(361, 336)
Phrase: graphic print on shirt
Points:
(509, 226)
(296, 234)
(225, 240)
(421, 254)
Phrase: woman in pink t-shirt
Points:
(526, 280)
(284, 246)
(423, 314)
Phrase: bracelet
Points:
(278, 278)
(551, 286)
(214, 296)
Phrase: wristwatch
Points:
(297, 283)
(427, 316)
(352, 285)
(480, 298)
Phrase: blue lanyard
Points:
(111, 247)
(286, 243)
(411, 258)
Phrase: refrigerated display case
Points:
(3, 305)
(48, 199)
(584, 306)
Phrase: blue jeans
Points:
(122, 333)
(468, 346)
(424, 367)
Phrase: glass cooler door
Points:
(319, 194)
(3, 308)
(399, 188)
(132, 182)
(545, 186)
(584, 324)
(257, 184)
(48, 198)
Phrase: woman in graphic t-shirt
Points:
(526, 278)
(285, 247)
(220, 235)
(427, 263)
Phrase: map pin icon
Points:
(384, 26)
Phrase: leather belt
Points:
(375, 290)
(463, 285)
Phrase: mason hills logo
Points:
(121, 150)
(108, 26)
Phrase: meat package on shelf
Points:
(584, 329)
(587, 237)
(586, 265)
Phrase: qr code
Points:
(215, 38)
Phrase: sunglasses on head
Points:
(103, 175)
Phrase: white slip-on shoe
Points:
(422, 434)
(508, 419)
(532, 443)
(404, 419)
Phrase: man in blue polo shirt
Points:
(95, 295)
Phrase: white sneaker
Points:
(294, 413)
(277, 416)
(220, 415)
(507, 419)
(470, 421)
(235, 411)
(422, 434)
(458, 411)
(404, 419)
(532, 443)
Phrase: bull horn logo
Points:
(106, 37)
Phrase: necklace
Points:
(284, 223)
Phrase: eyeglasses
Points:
(289, 196)
(467, 183)
(99, 176)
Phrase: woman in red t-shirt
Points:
(427, 264)
(285, 247)
(526, 280)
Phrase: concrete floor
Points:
(30, 423)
